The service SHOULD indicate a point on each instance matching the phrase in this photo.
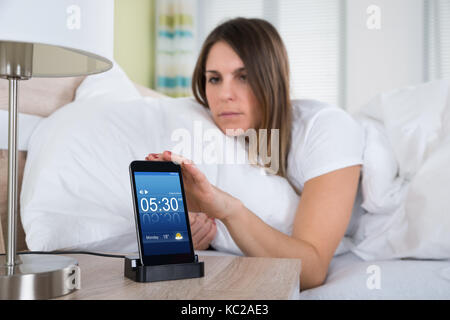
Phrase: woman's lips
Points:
(229, 114)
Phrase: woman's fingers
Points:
(202, 231)
(196, 225)
(199, 223)
(192, 218)
(204, 243)
(195, 174)
(169, 156)
(154, 157)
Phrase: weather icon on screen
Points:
(178, 236)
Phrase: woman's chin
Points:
(234, 131)
(232, 128)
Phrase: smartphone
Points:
(160, 211)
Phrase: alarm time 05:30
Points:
(153, 204)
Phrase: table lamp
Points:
(46, 38)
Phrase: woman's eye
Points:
(243, 77)
(213, 80)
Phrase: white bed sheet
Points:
(399, 279)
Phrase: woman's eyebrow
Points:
(238, 70)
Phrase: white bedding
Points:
(408, 204)
(399, 279)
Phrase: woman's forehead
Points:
(222, 58)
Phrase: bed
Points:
(349, 276)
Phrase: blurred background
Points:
(342, 52)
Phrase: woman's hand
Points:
(203, 230)
(201, 195)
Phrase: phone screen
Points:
(162, 218)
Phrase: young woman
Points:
(242, 76)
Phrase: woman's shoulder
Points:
(308, 109)
(325, 138)
(308, 114)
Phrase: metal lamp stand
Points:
(26, 276)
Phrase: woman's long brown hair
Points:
(265, 58)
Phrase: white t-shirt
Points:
(324, 138)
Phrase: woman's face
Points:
(230, 97)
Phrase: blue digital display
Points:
(161, 213)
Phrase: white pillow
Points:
(111, 85)
(380, 182)
(76, 188)
(427, 203)
(417, 124)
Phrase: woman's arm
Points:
(320, 223)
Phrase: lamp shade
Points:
(56, 38)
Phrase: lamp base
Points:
(38, 277)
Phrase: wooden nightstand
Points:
(226, 278)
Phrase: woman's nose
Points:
(227, 91)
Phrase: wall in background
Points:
(134, 39)
(377, 60)
(389, 58)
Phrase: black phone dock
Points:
(135, 271)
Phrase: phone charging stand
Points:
(135, 271)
